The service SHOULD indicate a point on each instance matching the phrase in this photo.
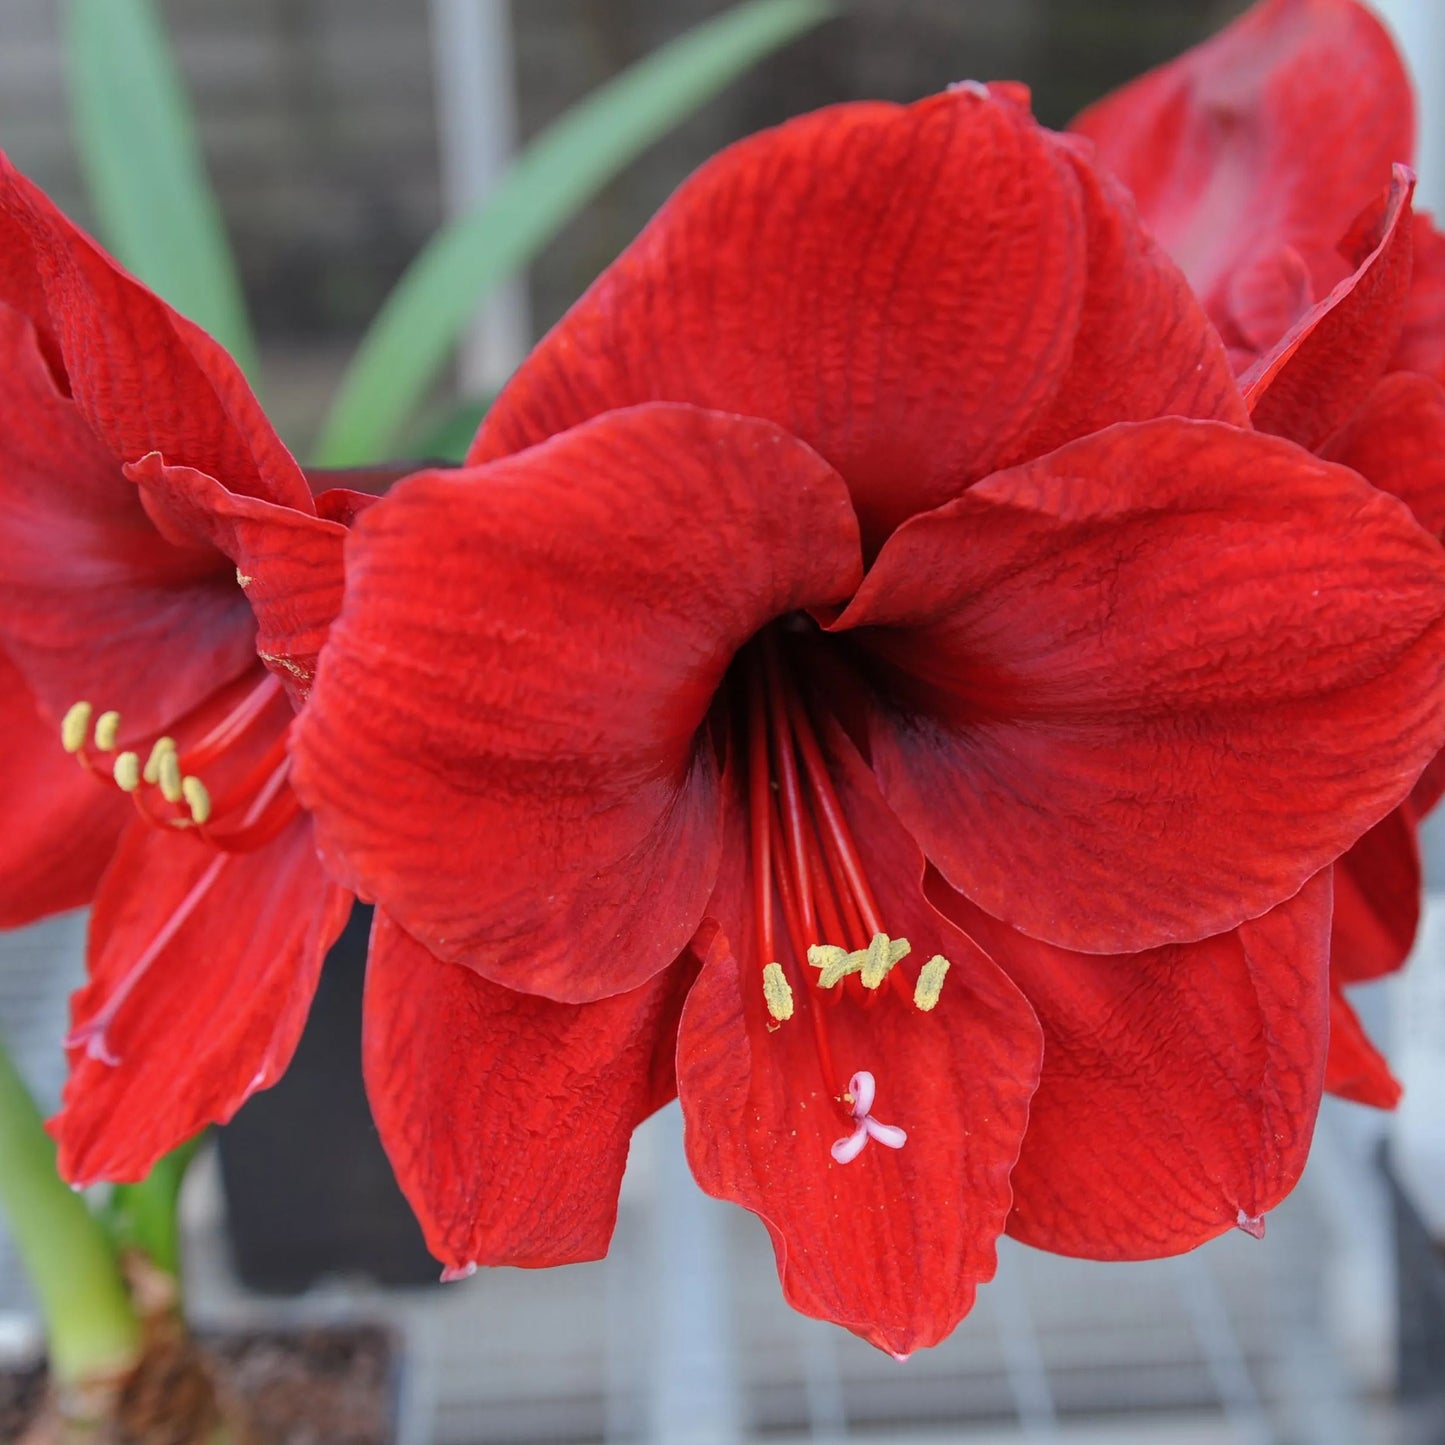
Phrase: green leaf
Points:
(565, 166)
(142, 164)
(446, 437)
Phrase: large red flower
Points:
(868, 624)
(166, 580)
(1267, 161)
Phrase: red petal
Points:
(913, 291)
(288, 563)
(96, 604)
(1149, 684)
(894, 1244)
(1356, 1069)
(1377, 901)
(1397, 441)
(1422, 346)
(61, 824)
(504, 741)
(1428, 791)
(507, 1117)
(1179, 1088)
(1324, 366)
(218, 1012)
(1272, 135)
(144, 378)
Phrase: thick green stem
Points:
(146, 1216)
(93, 1330)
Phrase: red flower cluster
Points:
(872, 679)
(1272, 164)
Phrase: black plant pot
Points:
(308, 1189)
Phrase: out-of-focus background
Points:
(339, 134)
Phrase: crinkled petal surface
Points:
(1357, 1069)
(1145, 687)
(1260, 145)
(893, 1244)
(288, 563)
(143, 377)
(920, 293)
(202, 968)
(503, 746)
(507, 1117)
(1396, 439)
(1312, 381)
(1377, 900)
(1207, 1064)
(87, 585)
(1180, 1086)
(61, 825)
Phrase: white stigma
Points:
(862, 1087)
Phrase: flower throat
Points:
(805, 859)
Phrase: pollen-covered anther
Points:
(107, 730)
(777, 992)
(126, 771)
(168, 775)
(861, 1089)
(75, 726)
(929, 988)
(151, 773)
(197, 799)
(873, 963)
(880, 956)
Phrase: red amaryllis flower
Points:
(165, 583)
(798, 643)
(1263, 159)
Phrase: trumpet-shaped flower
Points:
(166, 579)
(869, 652)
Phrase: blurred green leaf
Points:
(142, 164)
(413, 335)
(446, 436)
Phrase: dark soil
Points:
(313, 1387)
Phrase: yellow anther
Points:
(873, 962)
(778, 992)
(152, 770)
(168, 775)
(127, 772)
(107, 730)
(929, 988)
(193, 790)
(836, 963)
(74, 727)
(880, 956)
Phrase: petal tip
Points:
(454, 1272)
(1251, 1224)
